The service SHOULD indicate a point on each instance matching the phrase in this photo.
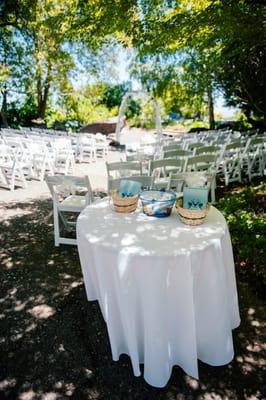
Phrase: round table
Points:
(166, 290)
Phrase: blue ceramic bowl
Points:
(157, 203)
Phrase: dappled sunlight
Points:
(54, 344)
(110, 229)
(7, 384)
(42, 312)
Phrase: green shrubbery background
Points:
(245, 214)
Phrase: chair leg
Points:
(56, 227)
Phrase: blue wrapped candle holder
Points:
(157, 203)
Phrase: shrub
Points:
(245, 215)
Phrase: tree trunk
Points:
(210, 108)
(3, 112)
(42, 95)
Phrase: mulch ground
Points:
(54, 343)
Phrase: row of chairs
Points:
(25, 158)
(232, 159)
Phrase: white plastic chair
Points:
(65, 199)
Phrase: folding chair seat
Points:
(65, 200)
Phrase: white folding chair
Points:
(64, 161)
(122, 169)
(86, 148)
(64, 191)
(252, 158)
(11, 172)
(206, 150)
(229, 164)
(205, 162)
(101, 144)
(177, 153)
(177, 181)
(145, 181)
(164, 166)
(191, 147)
(161, 169)
(172, 146)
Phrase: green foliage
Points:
(21, 115)
(224, 41)
(114, 94)
(186, 51)
(245, 215)
(196, 124)
(145, 117)
(57, 35)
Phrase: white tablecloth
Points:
(167, 291)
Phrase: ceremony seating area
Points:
(27, 155)
(31, 154)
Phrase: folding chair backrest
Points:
(233, 145)
(99, 136)
(206, 150)
(86, 139)
(123, 168)
(257, 141)
(6, 154)
(201, 163)
(192, 146)
(145, 181)
(163, 164)
(176, 182)
(176, 153)
(173, 146)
